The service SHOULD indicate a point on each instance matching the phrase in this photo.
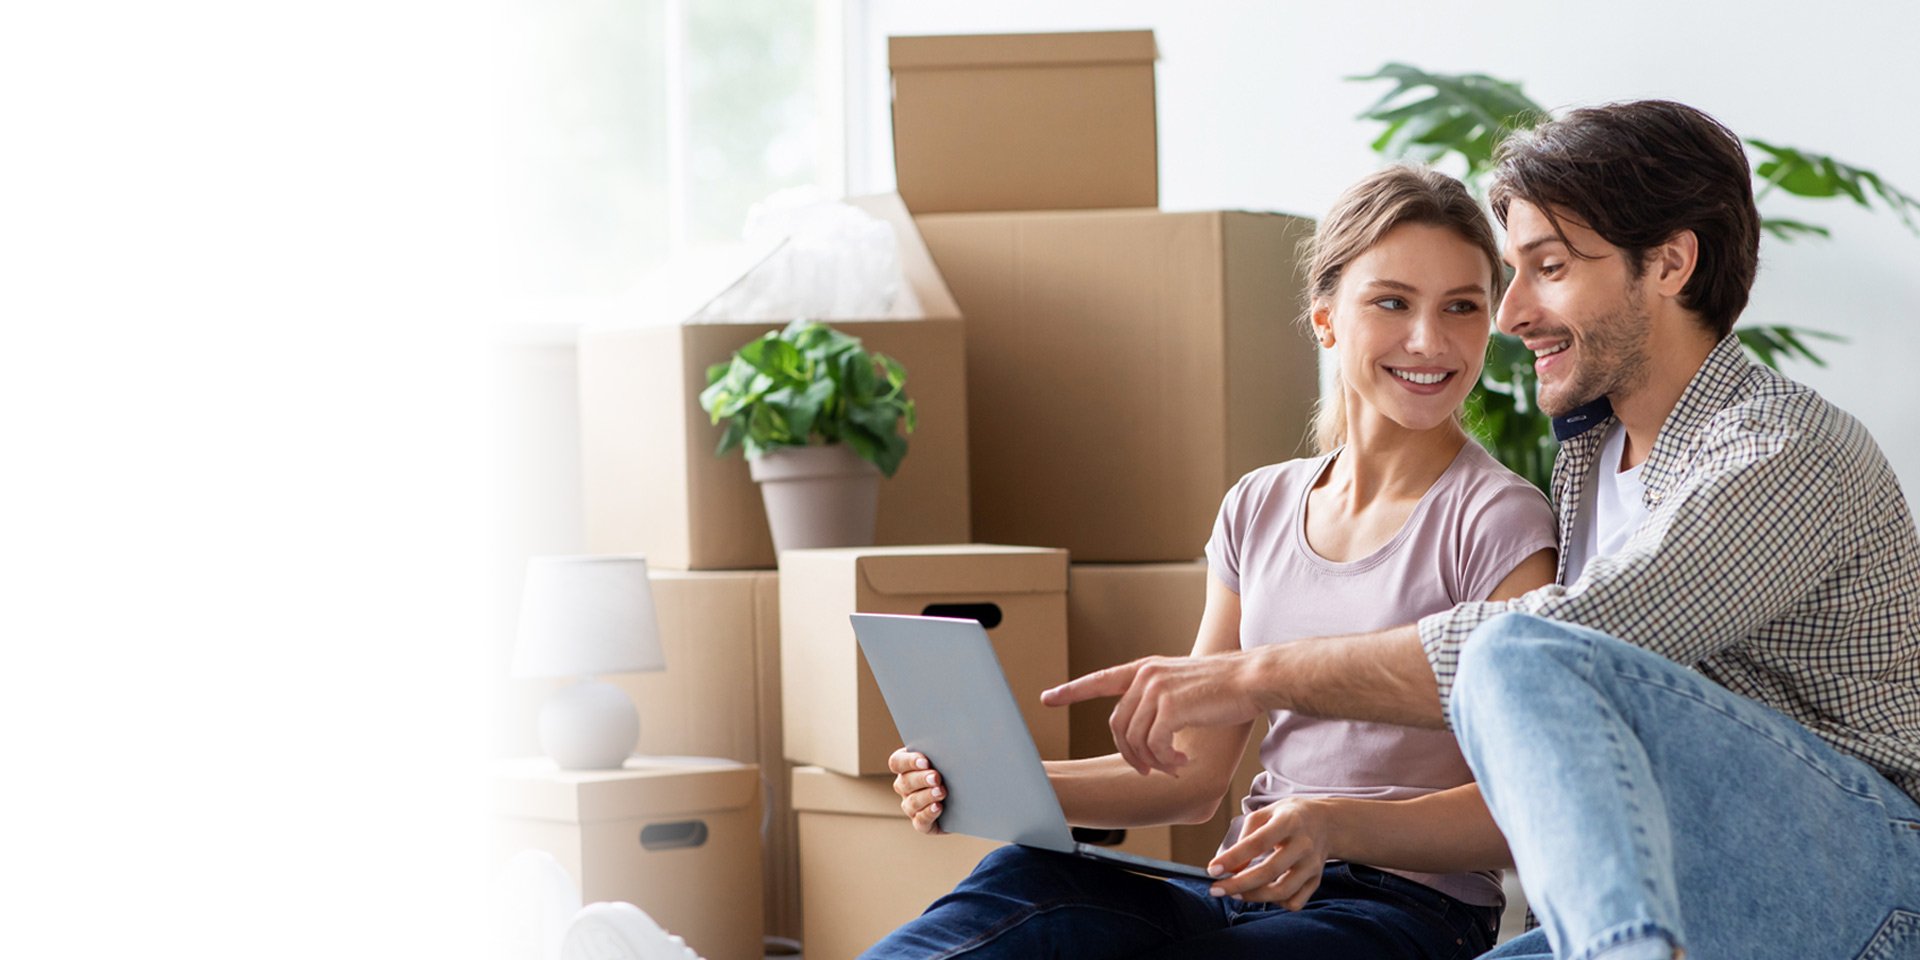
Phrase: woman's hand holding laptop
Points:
(920, 789)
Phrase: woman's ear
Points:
(1322, 318)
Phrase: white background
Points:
(246, 301)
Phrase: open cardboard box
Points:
(652, 484)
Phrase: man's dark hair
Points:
(1637, 173)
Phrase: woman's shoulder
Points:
(1262, 482)
(1480, 485)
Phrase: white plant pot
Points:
(823, 496)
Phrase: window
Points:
(633, 129)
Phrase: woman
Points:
(1357, 839)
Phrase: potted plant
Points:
(819, 419)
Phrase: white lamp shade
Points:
(586, 615)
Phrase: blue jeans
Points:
(1025, 903)
(1649, 808)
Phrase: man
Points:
(1705, 739)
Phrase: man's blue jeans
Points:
(1649, 808)
(1030, 904)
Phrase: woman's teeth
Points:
(1428, 378)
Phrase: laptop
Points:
(950, 701)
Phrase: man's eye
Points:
(1549, 269)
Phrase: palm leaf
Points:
(1806, 174)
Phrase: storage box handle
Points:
(987, 613)
(673, 836)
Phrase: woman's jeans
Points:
(1649, 808)
(1025, 903)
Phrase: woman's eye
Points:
(1390, 303)
(1463, 307)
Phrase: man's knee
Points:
(1502, 659)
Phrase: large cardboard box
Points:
(1124, 368)
(678, 839)
(1047, 121)
(1122, 612)
(864, 870)
(834, 714)
(651, 482)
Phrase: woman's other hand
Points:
(920, 788)
(1293, 836)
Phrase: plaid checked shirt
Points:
(1778, 559)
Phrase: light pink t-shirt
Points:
(1473, 526)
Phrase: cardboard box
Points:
(718, 697)
(864, 870)
(1040, 121)
(652, 484)
(678, 839)
(834, 714)
(1117, 613)
(1124, 368)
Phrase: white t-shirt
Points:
(1612, 507)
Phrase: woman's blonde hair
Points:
(1366, 212)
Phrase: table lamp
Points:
(581, 616)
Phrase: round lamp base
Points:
(590, 725)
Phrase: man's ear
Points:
(1672, 263)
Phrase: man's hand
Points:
(1159, 697)
(1293, 835)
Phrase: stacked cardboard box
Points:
(1117, 369)
(1124, 367)
(652, 486)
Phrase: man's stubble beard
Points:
(1613, 360)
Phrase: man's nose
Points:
(1517, 309)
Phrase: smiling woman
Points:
(1460, 272)
(1356, 839)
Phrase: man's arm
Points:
(1383, 677)
(1745, 536)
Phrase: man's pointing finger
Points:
(1111, 682)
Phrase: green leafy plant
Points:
(1431, 117)
(811, 381)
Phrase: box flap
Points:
(647, 788)
(823, 791)
(684, 285)
(1019, 49)
(967, 570)
(929, 289)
